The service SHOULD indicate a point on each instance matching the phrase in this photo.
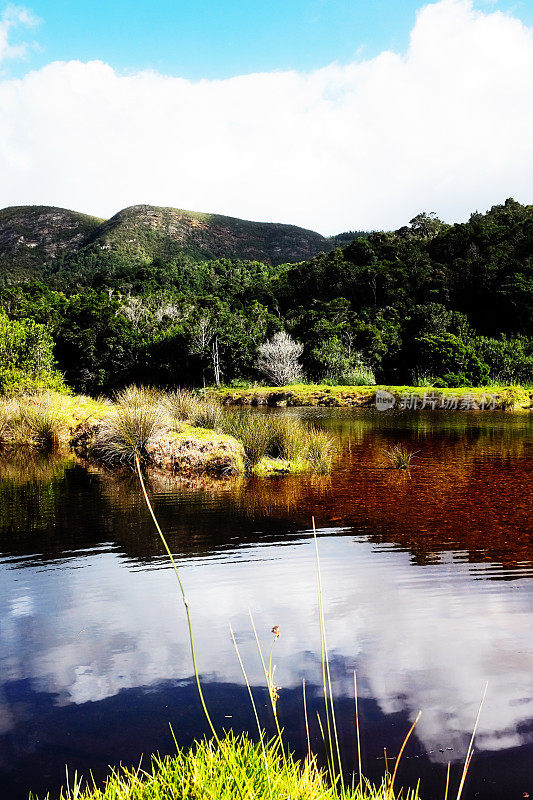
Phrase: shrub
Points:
(278, 359)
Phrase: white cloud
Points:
(444, 127)
(13, 17)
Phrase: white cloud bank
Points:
(445, 127)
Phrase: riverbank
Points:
(177, 433)
(234, 768)
(478, 398)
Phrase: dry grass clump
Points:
(36, 421)
(184, 406)
(400, 457)
(134, 423)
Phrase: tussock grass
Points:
(255, 431)
(267, 437)
(135, 421)
(320, 451)
(400, 457)
(183, 405)
(114, 432)
(216, 772)
(37, 421)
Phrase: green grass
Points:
(509, 398)
(219, 771)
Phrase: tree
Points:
(278, 359)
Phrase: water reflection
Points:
(93, 651)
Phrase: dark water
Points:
(428, 591)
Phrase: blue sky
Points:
(206, 39)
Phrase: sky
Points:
(329, 114)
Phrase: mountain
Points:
(32, 237)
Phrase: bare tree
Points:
(278, 359)
(205, 344)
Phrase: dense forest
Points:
(449, 304)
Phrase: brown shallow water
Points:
(428, 591)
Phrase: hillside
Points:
(155, 232)
(32, 237)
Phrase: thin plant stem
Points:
(326, 676)
(268, 679)
(306, 722)
(188, 613)
(402, 748)
(252, 701)
(470, 751)
(358, 734)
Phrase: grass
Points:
(136, 420)
(508, 398)
(400, 457)
(272, 444)
(35, 421)
(215, 772)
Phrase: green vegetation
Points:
(26, 357)
(218, 771)
(426, 395)
(177, 432)
(146, 298)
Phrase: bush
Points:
(15, 381)
(450, 360)
(278, 359)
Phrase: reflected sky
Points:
(95, 617)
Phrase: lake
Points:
(428, 594)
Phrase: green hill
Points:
(32, 237)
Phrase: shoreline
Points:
(484, 398)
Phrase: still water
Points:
(428, 593)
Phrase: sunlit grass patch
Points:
(235, 767)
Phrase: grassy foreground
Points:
(509, 398)
(234, 768)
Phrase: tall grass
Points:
(34, 421)
(183, 405)
(135, 420)
(255, 431)
(281, 437)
